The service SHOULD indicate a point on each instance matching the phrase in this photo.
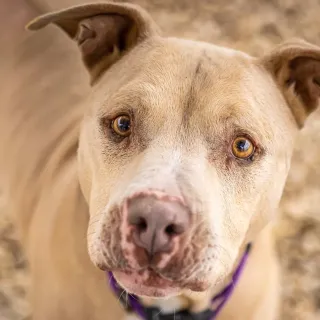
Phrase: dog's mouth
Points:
(147, 283)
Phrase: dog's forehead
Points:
(184, 61)
(195, 81)
(168, 61)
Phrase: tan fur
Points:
(188, 97)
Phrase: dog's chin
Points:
(147, 284)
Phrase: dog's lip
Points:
(147, 283)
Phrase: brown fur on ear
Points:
(295, 66)
(103, 31)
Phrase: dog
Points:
(167, 173)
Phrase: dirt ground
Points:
(252, 26)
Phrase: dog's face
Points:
(184, 148)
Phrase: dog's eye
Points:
(121, 126)
(243, 148)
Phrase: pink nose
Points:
(156, 222)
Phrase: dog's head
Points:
(184, 148)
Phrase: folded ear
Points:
(295, 66)
(104, 32)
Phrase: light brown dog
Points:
(183, 151)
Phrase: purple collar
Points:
(133, 304)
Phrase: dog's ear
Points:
(295, 66)
(104, 32)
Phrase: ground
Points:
(252, 26)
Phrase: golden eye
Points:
(121, 126)
(243, 148)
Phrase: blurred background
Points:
(252, 26)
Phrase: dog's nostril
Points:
(141, 224)
(173, 229)
(170, 230)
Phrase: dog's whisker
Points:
(127, 299)
(133, 297)
(119, 299)
(156, 315)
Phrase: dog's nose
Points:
(156, 222)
